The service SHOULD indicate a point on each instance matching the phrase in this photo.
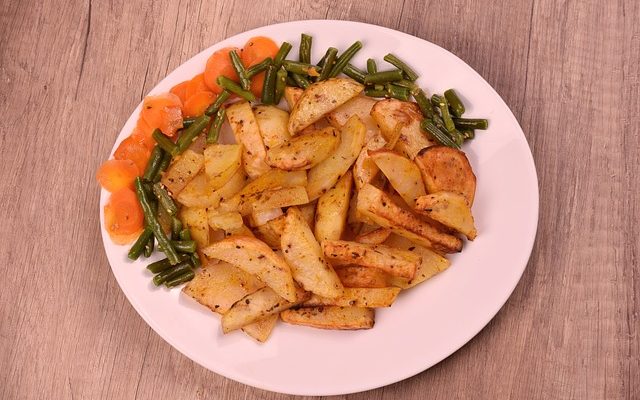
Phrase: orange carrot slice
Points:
(114, 175)
(219, 64)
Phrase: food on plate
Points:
(318, 212)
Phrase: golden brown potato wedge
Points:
(304, 255)
(258, 218)
(395, 262)
(450, 209)
(270, 199)
(360, 106)
(183, 168)
(292, 95)
(357, 297)
(196, 220)
(261, 329)
(377, 206)
(391, 113)
(376, 236)
(304, 151)
(197, 193)
(273, 123)
(273, 180)
(256, 306)
(402, 173)
(256, 257)
(357, 276)
(320, 99)
(331, 212)
(228, 222)
(219, 286)
(329, 317)
(323, 176)
(364, 169)
(432, 263)
(308, 212)
(445, 169)
(221, 161)
(247, 133)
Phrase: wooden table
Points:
(71, 72)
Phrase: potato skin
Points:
(445, 169)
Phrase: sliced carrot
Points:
(114, 175)
(164, 112)
(197, 103)
(132, 150)
(123, 217)
(219, 64)
(142, 133)
(257, 49)
(195, 85)
(180, 90)
(257, 82)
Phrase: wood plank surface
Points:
(71, 72)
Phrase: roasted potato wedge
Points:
(357, 276)
(256, 257)
(273, 123)
(330, 317)
(261, 329)
(395, 262)
(196, 220)
(360, 106)
(332, 209)
(221, 161)
(376, 236)
(304, 151)
(292, 95)
(445, 169)
(183, 168)
(258, 218)
(219, 286)
(364, 169)
(272, 180)
(450, 209)
(323, 176)
(228, 222)
(270, 199)
(320, 99)
(432, 263)
(391, 113)
(402, 173)
(197, 193)
(247, 133)
(256, 306)
(378, 207)
(304, 255)
(357, 297)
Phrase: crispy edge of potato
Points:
(247, 133)
(449, 209)
(306, 259)
(432, 263)
(445, 169)
(183, 168)
(261, 329)
(357, 276)
(269, 199)
(258, 218)
(376, 236)
(304, 150)
(402, 173)
(331, 317)
(332, 209)
(357, 297)
(377, 206)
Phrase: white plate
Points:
(427, 323)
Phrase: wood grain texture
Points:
(71, 72)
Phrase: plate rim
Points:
(246, 380)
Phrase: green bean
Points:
(164, 199)
(153, 164)
(185, 234)
(139, 245)
(468, 134)
(291, 81)
(457, 137)
(344, 59)
(443, 105)
(184, 246)
(412, 86)
(323, 60)
(329, 62)
(437, 134)
(372, 68)
(285, 48)
(354, 73)
(148, 247)
(423, 102)
(383, 77)
(164, 142)
(300, 68)
(281, 83)
(176, 227)
(164, 164)
(301, 81)
(305, 48)
(373, 92)
(164, 264)
(240, 70)
(269, 86)
(397, 92)
(455, 104)
(169, 274)
(222, 97)
(195, 260)
(259, 67)
(214, 130)
(233, 87)
(398, 63)
(180, 279)
(471, 123)
(152, 221)
(187, 121)
(189, 134)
